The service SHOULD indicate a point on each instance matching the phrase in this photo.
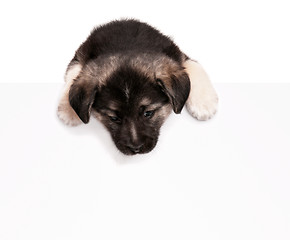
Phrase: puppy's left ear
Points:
(81, 98)
(177, 88)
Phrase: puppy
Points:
(130, 77)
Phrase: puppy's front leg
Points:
(202, 101)
(64, 111)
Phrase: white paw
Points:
(202, 107)
(67, 115)
(64, 111)
(202, 102)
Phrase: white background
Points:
(225, 179)
(237, 41)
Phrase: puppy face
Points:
(129, 76)
(133, 109)
(131, 104)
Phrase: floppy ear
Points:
(81, 98)
(177, 89)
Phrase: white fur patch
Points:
(202, 101)
(72, 72)
(64, 111)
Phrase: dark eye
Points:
(115, 119)
(148, 114)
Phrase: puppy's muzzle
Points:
(135, 148)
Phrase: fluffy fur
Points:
(130, 77)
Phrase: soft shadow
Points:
(100, 133)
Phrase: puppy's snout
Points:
(135, 148)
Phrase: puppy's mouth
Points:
(135, 150)
(142, 149)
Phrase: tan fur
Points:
(145, 102)
(202, 102)
(64, 111)
(165, 111)
(155, 66)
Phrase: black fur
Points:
(124, 36)
(81, 98)
(133, 100)
(177, 90)
(129, 110)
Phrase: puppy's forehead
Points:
(134, 104)
(127, 90)
(130, 83)
(144, 96)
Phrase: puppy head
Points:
(131, 105)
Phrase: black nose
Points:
(135, 148)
